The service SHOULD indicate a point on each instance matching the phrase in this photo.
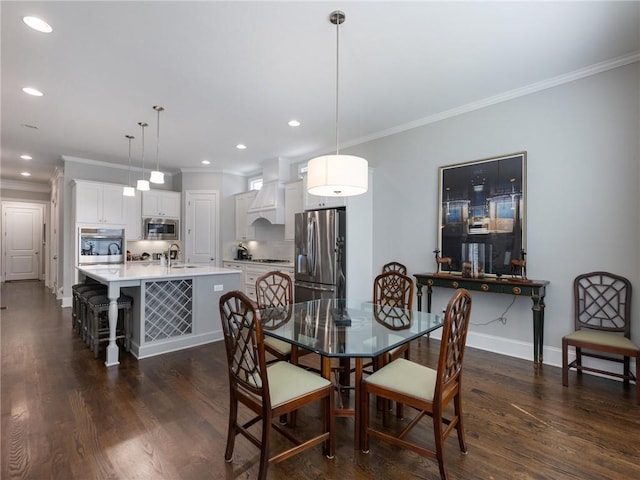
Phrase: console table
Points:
(528, 288)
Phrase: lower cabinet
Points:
(251, 272)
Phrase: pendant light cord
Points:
(337, 82)
(158, 109)
(142, 125)
(129, 137)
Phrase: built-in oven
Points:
(161, 229)
(100, 245)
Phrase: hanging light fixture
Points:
(337, 175)
(143, 185)
(129, 191)
(156, 175)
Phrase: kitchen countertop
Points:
(141, 271)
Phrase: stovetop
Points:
(268, 260)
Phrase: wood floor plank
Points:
(66, 416)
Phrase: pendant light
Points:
(143, 185)
(129, 191)
(157, 176)
(337, 175)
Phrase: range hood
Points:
(268, 204)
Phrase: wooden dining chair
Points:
(394, 267)
(275, 290)
(602, 321)
(268, 391)
(393, 290)
(424, 389)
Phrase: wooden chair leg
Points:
(565, 363)
(264, 449)
(439, 443)
(638, 380)
(457, 405)
(626, 369)
(231, 432)
(364, 421)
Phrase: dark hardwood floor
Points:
(66, 416)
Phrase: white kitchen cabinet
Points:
(243, 202)
(314, 202)
(293, 204)
(252, 271)
(98, 203)
(161, 203)
(236, 266)
(133, 217)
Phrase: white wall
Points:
(582, 196)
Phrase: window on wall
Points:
(255, 183)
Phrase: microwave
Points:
(161, 229)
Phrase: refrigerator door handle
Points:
(314, 287)
(311, 246)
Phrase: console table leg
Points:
(538, 330)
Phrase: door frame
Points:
(43, 267)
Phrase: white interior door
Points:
(201, 229)
(22, 231)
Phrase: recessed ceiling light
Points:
(205, 162)
(25, 174)
(38, 24)
(294, 123)
(32, 91)
(26, 157)
(241, 146)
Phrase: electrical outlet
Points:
(218, 288)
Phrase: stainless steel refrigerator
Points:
(320, 254)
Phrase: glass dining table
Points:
(346, 329)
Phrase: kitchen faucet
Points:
(177, 249)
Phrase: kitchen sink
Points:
(185, 266)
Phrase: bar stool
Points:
(78, 314)
(98, 321)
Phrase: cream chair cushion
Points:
(286, 382)
(603, 338)
(407, 377)
(283, 347)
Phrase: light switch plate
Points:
(218, 288)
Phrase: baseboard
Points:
(67, 302)
(173, 344)
(518, 349)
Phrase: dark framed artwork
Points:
(482, 217)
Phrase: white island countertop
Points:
(173, 307)
(136, 271)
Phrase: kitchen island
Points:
(173, 307)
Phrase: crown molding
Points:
(503, 97)
(6, 184)
(99, 163)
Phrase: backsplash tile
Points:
(279, 249)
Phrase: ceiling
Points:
(237, 72)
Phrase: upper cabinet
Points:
(161, 203)
(293, 204)
(133, 217)
(314, 202)
(97, 202)
(243, 202)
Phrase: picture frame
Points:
(482, 217)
